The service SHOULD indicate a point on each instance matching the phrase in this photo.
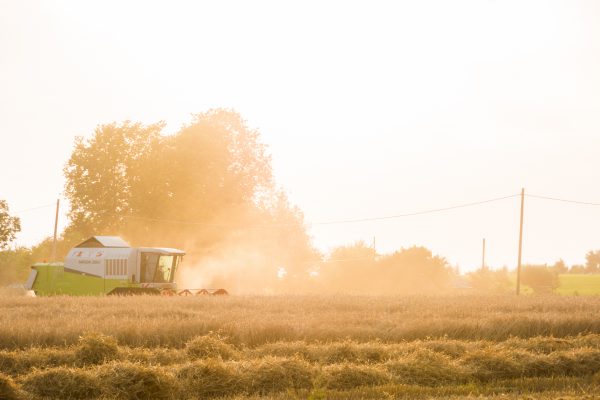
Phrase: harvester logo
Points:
(99, 254)
(78, 254)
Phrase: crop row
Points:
(209, 366)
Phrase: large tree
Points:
(207, 188)
(9, 225)
(592, 262)
(103, 170)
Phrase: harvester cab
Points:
(108, 265)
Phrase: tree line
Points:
(209, 189)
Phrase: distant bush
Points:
(210, 346)
(15, 265)
(62, 383)
(485, 280)
(577, 269)
(95, 348)
(540, 278)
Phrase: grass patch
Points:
(579, 284)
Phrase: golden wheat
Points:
(302, 347)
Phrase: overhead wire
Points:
(332, 222)
(587, 203)
(34, 208)
(429, 211)
(349, 220)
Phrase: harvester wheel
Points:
(185, 292)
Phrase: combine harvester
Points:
(109, 265)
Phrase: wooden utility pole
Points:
(374, 250)
(520, 242)
(483, 255)
(53, 259)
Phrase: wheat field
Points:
(303, 347)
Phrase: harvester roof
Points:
(115, 242)
(103, 241)
(163, 250)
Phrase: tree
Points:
(560, 267)
(356, 268)
(9, 226)
(207, 189)
(592, 262)
(415, 270)
(102, 171)
(485, 280)
(540, 278)
(577, 269)
(350, 268)
(14, 265)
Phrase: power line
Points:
(346, 221)
(430, 211)
(173, 221)
(332, 222)
(587, 203)
(34, 208)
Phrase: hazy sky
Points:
(369, 108)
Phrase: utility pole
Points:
(483, 255)
(53, 259)
(374, 250)
(520, 242)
